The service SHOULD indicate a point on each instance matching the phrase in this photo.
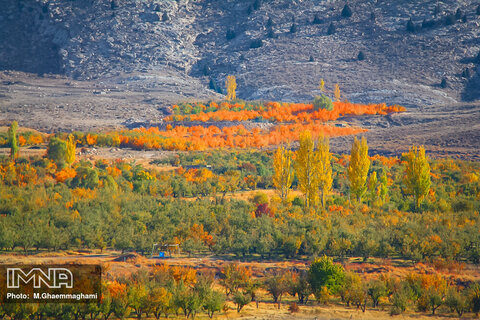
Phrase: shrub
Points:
(271, 34)
(311, 59)
(269, 23)
(346, 11)
(257, 43)
(331, 29)
(230, 34)
(293, 28)
(165, 17)
(410, 26)
(478, 10)
(450, 20)
(256, 5)
(458, 14)
(361, 56)
(443, 84)
(322, 102)
(293, 307)
(317, 20)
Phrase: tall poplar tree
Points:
(417, 174)
(231, 84)
(305, 168)
(323, 166)
(283, 177)
(12, 140)
(70, 150)
(357, 170)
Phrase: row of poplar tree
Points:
(312, 164)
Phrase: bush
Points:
(322, 102)
(269, 23)
(331, 29)
(450, 20)
(293, 307)
(257, 43)
(410, 26)
(346, 11)
(271, 34)
(458, 14)
(443, 84)
(317, 20)
(361, 56)
(478, 10)
(230, 34)
(293, 28)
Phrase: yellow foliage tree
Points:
(324, 168)
(373, 189)
(71, 148)
(417, 174)
(283, 176)
(305, 168)
(337, 92)
(322, 85)
(231, 84)
(357, 170)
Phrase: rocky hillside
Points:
(278, 49)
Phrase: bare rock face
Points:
(278, 59)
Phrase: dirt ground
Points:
(59, 104)
(116, 264)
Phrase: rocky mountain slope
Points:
(278, 49)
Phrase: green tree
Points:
(417, 174)
(214, 302)
(474, 295)
(241, 300)
(56, 151)
(322, 102)
(456, 301)
(323, 272)
(358, 166)
(12, 140)
(376, 290)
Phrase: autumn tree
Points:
(56, 151)
(12, 140)
(337, 92)
(70, 150)
(283, 176)
(231, 84)
(357, 170)
(323, 161)
(305, 168)
(322, 86)
(383, 187)
(373, 187)
(417, 174)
